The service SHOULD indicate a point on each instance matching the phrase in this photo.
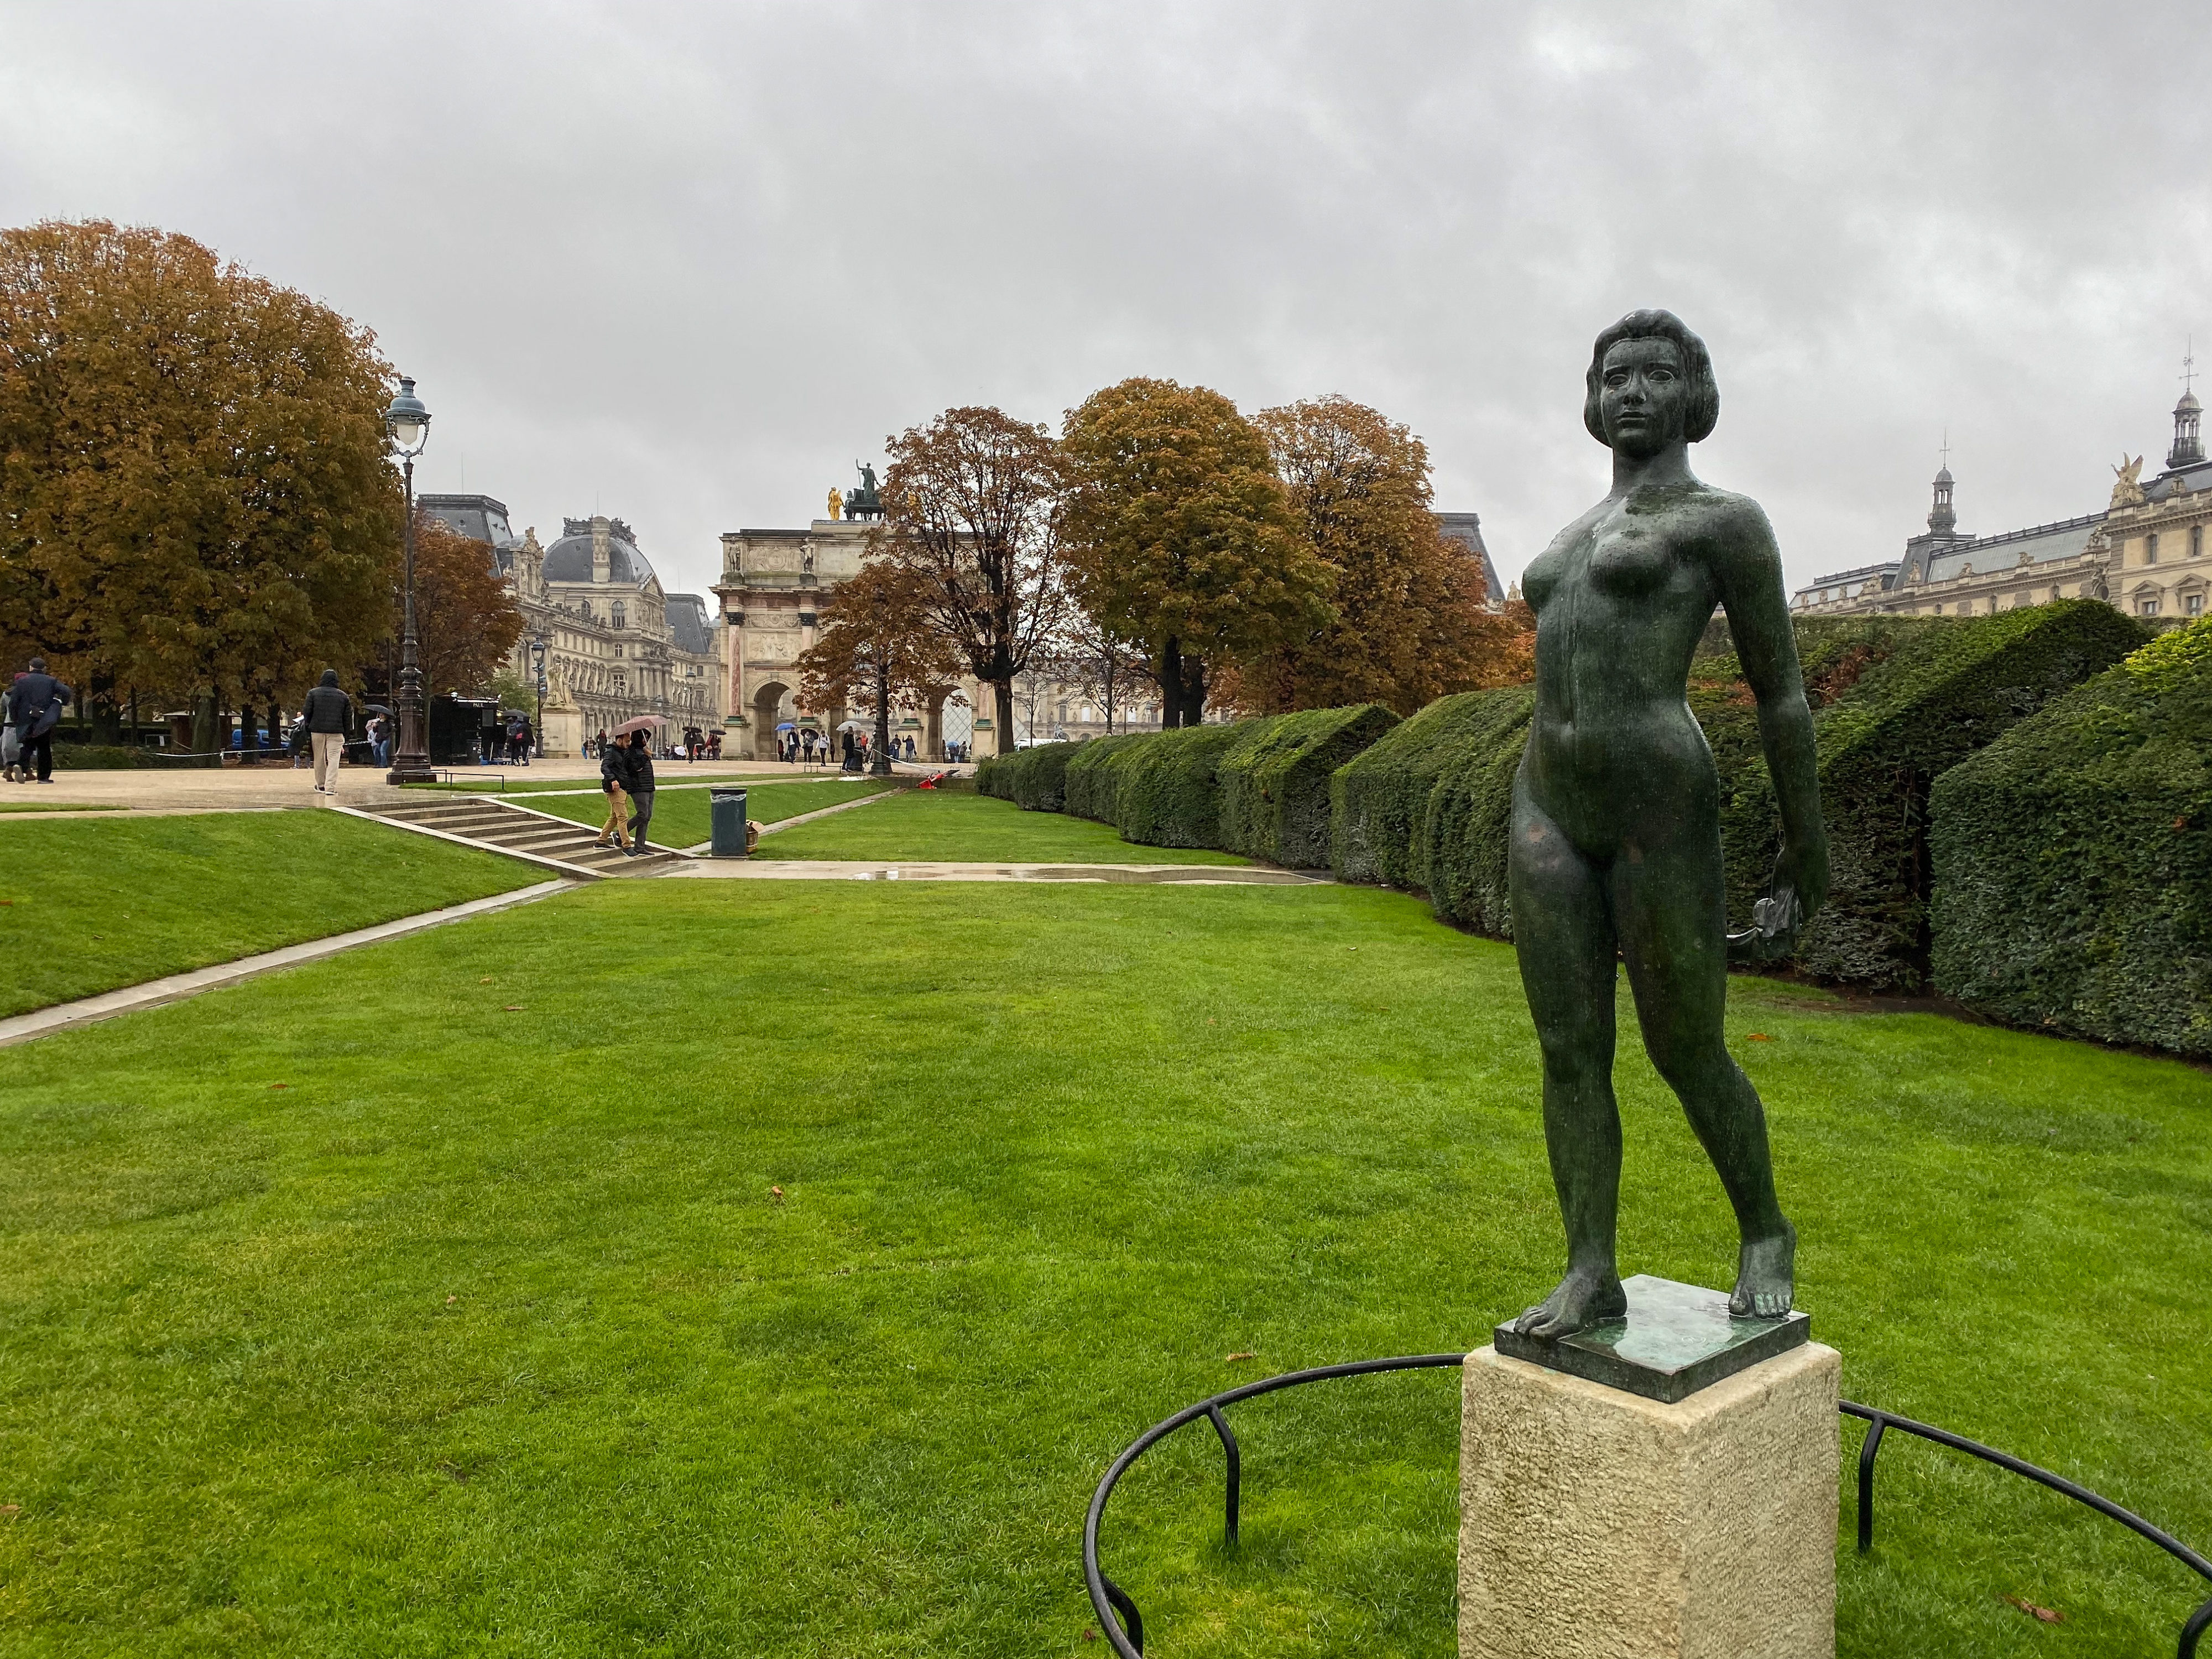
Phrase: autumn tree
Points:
(876, 649)
(1411, 622)
(466, 620)
(1180, 538)
(194, 499)
(970, 511)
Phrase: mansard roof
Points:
(687, 620)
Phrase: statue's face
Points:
(1644, 397)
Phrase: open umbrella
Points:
(787, 726)
(852, 725)
(643, 723)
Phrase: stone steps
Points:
(512, 828)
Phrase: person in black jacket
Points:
(637, 779)
(34, 708)
(328, 711)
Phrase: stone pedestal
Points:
(1596, 1523)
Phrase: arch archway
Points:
(772, 706)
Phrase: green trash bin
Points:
(725, 813)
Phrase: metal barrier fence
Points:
(1124, 1626)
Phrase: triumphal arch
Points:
(774, 586)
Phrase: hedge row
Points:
(1896, 701)
(1034, 779)
(1427, 807)
(1274, 782)
(1094, 777)
(1259, 787)
(1928, 696)
(2073, 858)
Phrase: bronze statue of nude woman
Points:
(1616, 812)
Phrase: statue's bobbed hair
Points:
(1705, 395)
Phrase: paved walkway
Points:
(241, 789)
(1198, 875)
(21, 1028)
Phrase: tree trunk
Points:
(879, 763)
(1002, 716)
(1193, 690)
(1170, 678)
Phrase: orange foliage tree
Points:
(194, 497)
(465, 619)
(1411, 620)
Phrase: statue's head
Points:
(1649, 383)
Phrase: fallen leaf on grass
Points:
(776, 1192)
(1089, 1634)
(2041, 1615)
(1761, 1036)
(486, 980)
(280, 1086)
(450, 1300)
(1232, 1358)
(9, 1511)
(514, 1008)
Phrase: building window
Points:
(2196, 541)
(619, 623)
(1939, 609)
(2194, 605)
(2150, 547)
(2145, 607)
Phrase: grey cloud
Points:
(688, 263)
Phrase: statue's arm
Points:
(1758, 606)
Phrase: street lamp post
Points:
(538, 670)
(408, 424)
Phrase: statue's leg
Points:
(1563, 934)
(1671, 901)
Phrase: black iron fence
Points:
(1124, 1626)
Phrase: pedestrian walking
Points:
(34, 708)
(526, 738)
(611, 775)
(637, 782)
(328, 711)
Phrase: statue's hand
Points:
(1803, 871)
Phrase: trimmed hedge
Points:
(2073, 858)
(1459, 853)
(1169, 794)
(1094, 776)
(1945, 690)
(1379, 800)
(1034, 779)
(1274, 781)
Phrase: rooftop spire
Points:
(1942, 521)
(2188, 444)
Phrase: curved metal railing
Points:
(1123, 1625)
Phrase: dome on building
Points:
(569, 559)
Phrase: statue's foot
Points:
(1584, 1299)
(1765, 1275)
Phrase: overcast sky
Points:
(686, 264)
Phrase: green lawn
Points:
(680, 816)
(87, 906)
(959, 826)
(60, 806)
(437, 1299)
